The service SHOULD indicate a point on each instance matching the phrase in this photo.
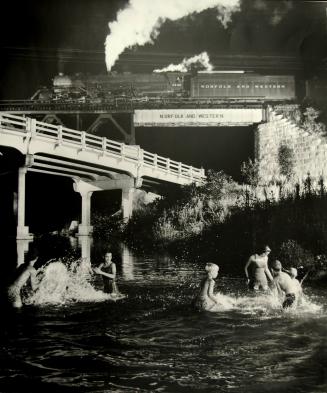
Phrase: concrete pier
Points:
(86, 188)
(22, 230)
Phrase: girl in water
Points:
(206, 299)
(258, 264)
(108, 272)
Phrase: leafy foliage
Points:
(250, 172)
(294, 255)
(310, 121)
(286, 161)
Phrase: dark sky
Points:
(38, 37)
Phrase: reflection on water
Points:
(85, 244)
(22, 248)
(153, 340)
(127, 263)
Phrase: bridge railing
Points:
(63, 135)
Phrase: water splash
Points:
(264, 304)
(59, 284)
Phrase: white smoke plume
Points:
(225, 13)
(140, 21)
(280, 12)
(184, 66)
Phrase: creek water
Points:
(71, 337)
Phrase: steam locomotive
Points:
(231, 86)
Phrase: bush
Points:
(250, 172)
(310, 121)
(292, 254)
(106, 225)
(286, 161)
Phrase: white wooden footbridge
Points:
(94, 163)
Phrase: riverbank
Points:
(225, 222)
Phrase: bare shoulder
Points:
(284, 277)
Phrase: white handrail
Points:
(83, 140)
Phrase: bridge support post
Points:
(125, 183)
(85, 228)
(22, 230)
(127, 203)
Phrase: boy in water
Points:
(286, 286)
(293, 274)
(206, 299)
(24, 273)
(108, 272)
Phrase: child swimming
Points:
(298, 285)
(208, 300)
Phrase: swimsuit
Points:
(289, 300)
(258, 277)
(109, 284)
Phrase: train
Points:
(200, 85)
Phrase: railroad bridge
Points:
(150, 112)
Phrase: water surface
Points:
(78, 339)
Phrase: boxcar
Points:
(243, 86)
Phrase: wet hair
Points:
(263, 249)
(276, 265)
(211, 266)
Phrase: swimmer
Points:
(259, 273)
(206, 298)
(293, 274)
(108, 272)
(285, 285)
(24, 273)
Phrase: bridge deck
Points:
(81, 150)
(123, 105)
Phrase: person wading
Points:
(258, 266)
(108, 272)
(24, 273)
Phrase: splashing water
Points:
(59, 284)
(263, 304)
(140, 21)
(184, 66)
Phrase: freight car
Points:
(201, 85)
